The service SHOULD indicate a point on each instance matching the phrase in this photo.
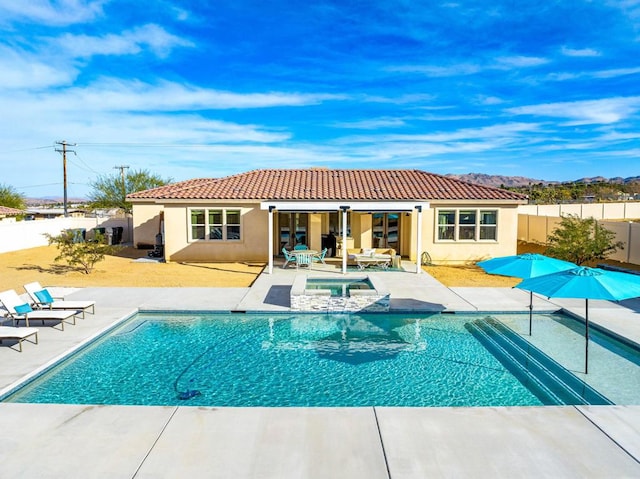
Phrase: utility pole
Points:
(124, 185)
(64, 150)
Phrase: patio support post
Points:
(344, 238)
(419, 240)
(270, 236)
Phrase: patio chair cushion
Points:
(23, 308)
(44, 296)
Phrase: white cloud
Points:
(52, 12)
(436, 71)
(132, 95)
(466, 69)
(616, 72)
(581, 52)
(128, 42)
(613, 73)
(604, 111)
(371, 124)
(22, 70)
(398, 100)
(488, 100)
(404, 147)
(518, 62)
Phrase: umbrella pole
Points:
(586, 337)
(530, 310)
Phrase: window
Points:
(197, 224)
(467, 225)
(446, 224)
(488, 224)
(219, 224)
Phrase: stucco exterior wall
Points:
(361, 224)
(462, 252)
(146, 223)
(251, 247)
(254, 226)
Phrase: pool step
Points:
(551, 382)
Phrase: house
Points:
(46, 213)
(9, 214)
(251, 216)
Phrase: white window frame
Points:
(207, 225)
(477, 225)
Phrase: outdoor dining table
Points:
(304, 257)
(303, 251)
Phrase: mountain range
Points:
(500, 180)
(496, 181)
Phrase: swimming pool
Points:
(312, 360)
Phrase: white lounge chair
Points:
(17, 309)
(20, 334)
(42, 299)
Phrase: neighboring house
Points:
(252, 216)
(45, 213)
(9, 213)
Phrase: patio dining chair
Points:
(300, 246)
(319, 258)
(289, 258)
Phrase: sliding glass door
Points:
(386, 230)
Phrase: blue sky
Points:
(548, 90)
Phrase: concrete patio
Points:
(140, 441)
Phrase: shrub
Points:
(581, 240)
(79, 253)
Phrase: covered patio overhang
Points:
(344, 207)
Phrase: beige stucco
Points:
(253, 245)
(146, 223)
(461, 252)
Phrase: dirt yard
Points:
(37, 264)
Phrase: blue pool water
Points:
(309, 360)
(338, 287)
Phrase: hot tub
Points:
(349, 295)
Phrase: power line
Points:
(30, 149)
(38, 186)
(86, 167)
(155, 145)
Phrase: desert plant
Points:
(79, 253)
(581, 240)
(10, 198)
(110, 191)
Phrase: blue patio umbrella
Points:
(587, 283)
(527, 265)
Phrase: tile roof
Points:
(5, 210)
(328, 184)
